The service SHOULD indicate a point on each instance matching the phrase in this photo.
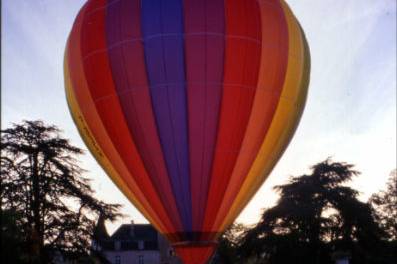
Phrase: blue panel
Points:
(162, 29)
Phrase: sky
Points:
(350, 113)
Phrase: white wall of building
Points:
(133, 257)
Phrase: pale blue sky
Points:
(350, 113)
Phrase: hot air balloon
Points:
(187, 105)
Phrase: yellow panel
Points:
(94, 148)
(286, 119)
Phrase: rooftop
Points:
(131, 237)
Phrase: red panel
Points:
(204, 53)
(242, 58)
(100, 83)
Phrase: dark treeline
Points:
(317, 220)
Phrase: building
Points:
(341, 257)
(132, 244)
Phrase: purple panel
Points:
(162, 29)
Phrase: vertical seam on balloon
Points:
(193, 210)
(205, 113)
(188, 183)
(206, 200)
(186, 106)
(179, 187)
(222, 94)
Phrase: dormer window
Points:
(117, 245)
(131, 230)
(131, 233)
(141, 245)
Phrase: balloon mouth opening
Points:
(195, 252)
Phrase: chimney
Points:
(132, 229)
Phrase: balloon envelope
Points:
(187, 105)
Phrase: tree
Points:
(43, 186)
(385, 204)
(315, 216)
(11, 238)
(229, 243)
(385, 212)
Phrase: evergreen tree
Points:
(385, 208)
(42, 185)
(316, 215)
(385, 204)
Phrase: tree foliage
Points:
(385, 204)
(316, 216)
(229, 243)
(43, 189)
